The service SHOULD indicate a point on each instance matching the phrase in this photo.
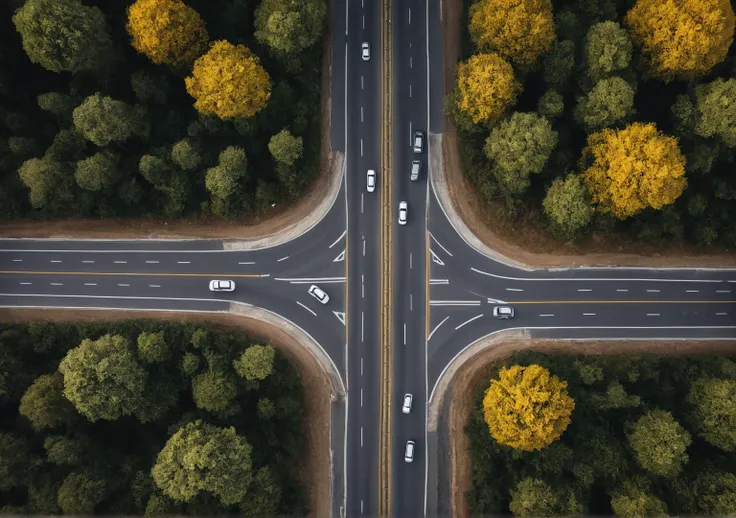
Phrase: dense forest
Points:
(147, 417)
(583, 116)
(556, 435)
(157, 107)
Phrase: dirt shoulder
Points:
(316, 469)
(527, 243)
(284, 216)
(474, 374)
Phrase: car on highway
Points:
(406, 407)
(503, 312)
(403, 212)
(370, 180)
(409, 452)
(319, 294)
(418, 141)
(366, 51)
(222, 285)
(416, 168)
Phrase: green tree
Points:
(610, 101)
(266, 408)
(189, 364)
(213, 391)
(264, 498)
(607, 49)
(559, 63)
(152, 347)
(44, 403)
(617, 397)
(80, 492)
(23, 147)
(256, 362)
(185, 154)
(201, 457)
(290, 26)
(149, 88)
(64, 35)
(102, 378)
(224, 181)
(17, 463)
(58, 104)
(43, 177)
(714, 404)
(98, 172)
(42, 495)
(285, 147)
(519, 147)
(659, 443)
(534, 497)
(634, 499)
(155, 170)
(715, 493)
(68, 146)
(64, 451)
(551, 104)
(716, 110)
(567, 205)
(103, 120)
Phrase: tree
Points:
(103, 120)
(23, 147)
(633, 169)
(518, 147)
(68, 146)
(527, 408)
(102, 378)
(607, 49)
(714, 405)
(487, 87)
(149, 88)
(100, 171)
(551, 104)
(185, 154)
(716, 110)
(201, 457)
(58, 104)
(634, 499)
(285, 147)
(610, 101)
(266, 408)
(229, 81)
(213, 391)
(224, 182)
(189, 364)
(265, 495)
(290, 26)
(715, 493)
(152, 347)
(256, 362)
(44, 404)
(17, 463)
(617, 397)
(64, 35)
(155, 170)
(518, 30)
(559, 63)
(80, 492)
(43, 177)
(659, 443)
(64, 451)
(566, 204)
(534, 497)
(167, 31)
(681, 39)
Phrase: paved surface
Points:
(463, 284)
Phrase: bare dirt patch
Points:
(474, 374)
(315, 470)
(526, 241)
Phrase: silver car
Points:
(403, 212)
(406, 407)
(409, 452)
(365, 51)
(503, 312)
(370, 180)
(222, 286)
(418, 141)
(319, 294)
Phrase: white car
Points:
(366, 51)
(319, 294)
(222, 286)
(503, 312)
(418, 141)
(403, 212)
(409, 452)
(406, 408)
(371, 180)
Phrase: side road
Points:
(321, 470)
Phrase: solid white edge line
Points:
(589, 279)
(436, 328)
(305, 307)
(434, 238)
(468, 321)
(338, 239)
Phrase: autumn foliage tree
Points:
(632, 169)
(519, 30)
(527, 408)
(486, 87)
(682, 39)
(167, 31)
(229, 81)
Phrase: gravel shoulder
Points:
(315, 470)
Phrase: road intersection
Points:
(443, 288)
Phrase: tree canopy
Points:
(99, 171)
(716, 110)
(102, 120)
(607, 49)
(659, 442)
(487, 87)
(285, 147)
(682, 39)
(167, 31)
(229, 81)
(527, 408)
(567, 205)
(213, 391)
(256, 362)
(635, 499)
(290, 26)
(44, 403)
(610, 101)
(714, 404)
(633, 169)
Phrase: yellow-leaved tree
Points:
(486, 87)
(682, 39)
(527, 408)
(519, 30)
(229, 81)
(167, 31)
(632, 169)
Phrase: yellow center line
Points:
(132, 274)
(623, 302)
